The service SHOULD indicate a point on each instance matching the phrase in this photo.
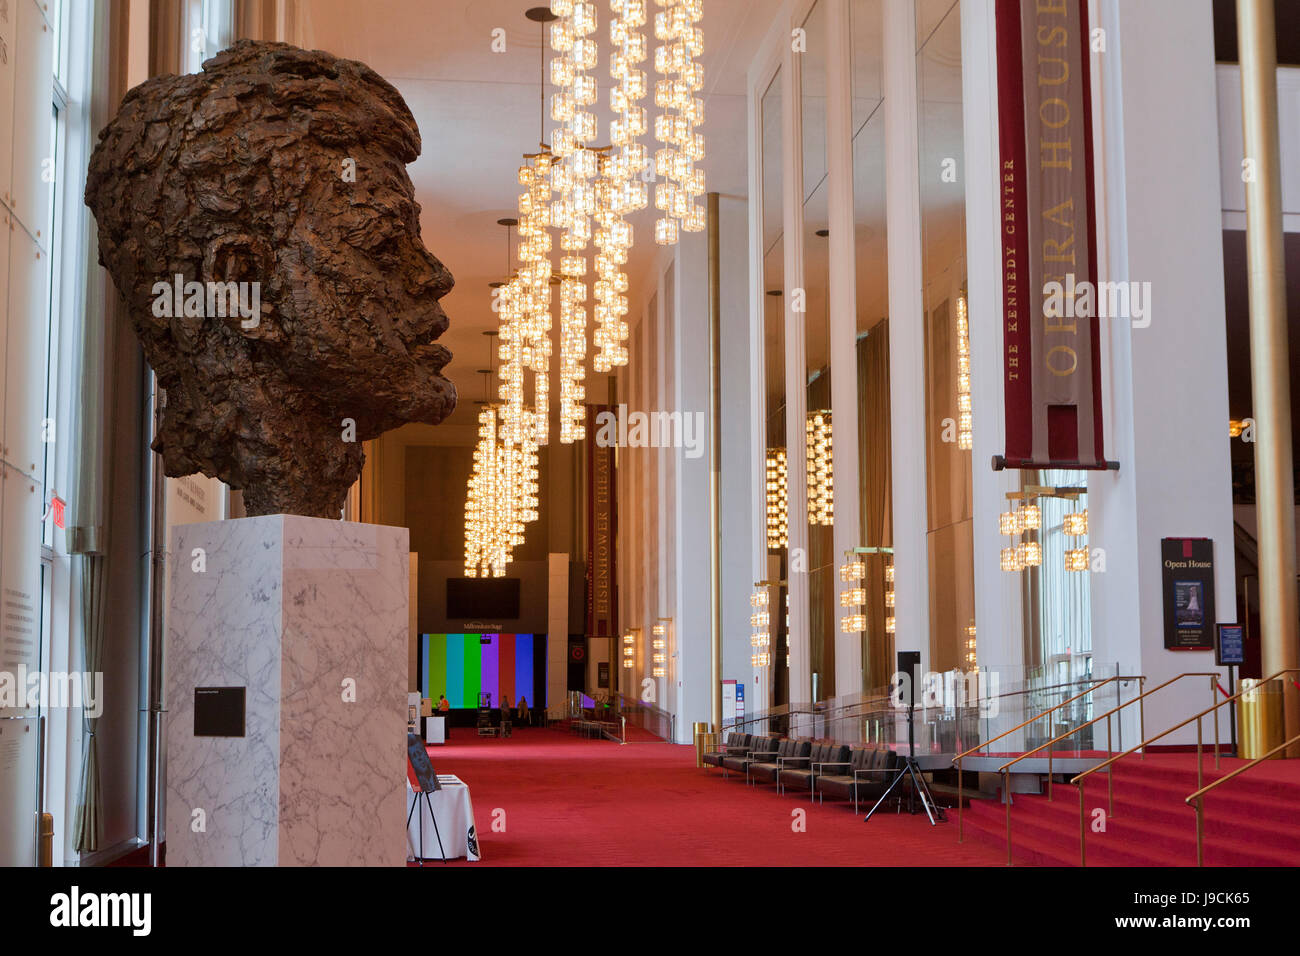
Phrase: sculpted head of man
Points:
(258, 220)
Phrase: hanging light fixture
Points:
(965, 418)
(821, 492)
(760, 620)
(518, 425)
(489, 514)
(575, 205)
(659, 644)
(613, 240)
(778, 503)
(681, 147)
(890, 599)
(1076, 559)
(621, 189)
(853, 572)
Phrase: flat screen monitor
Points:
(495, 599)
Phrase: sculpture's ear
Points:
(248, 262)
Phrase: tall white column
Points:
(999, 623)
(761, 698)
(796, 382)
(843, 325)
(1165, 383)
(692, 617)
(906, 333)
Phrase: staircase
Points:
(1253, 820)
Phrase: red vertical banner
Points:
(602, 606)
(1051, 333)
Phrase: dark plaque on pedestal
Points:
(218, 712)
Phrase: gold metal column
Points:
(715, 465)
(1270, 376)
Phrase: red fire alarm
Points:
(56, 510)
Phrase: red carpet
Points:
(568, 801)
(637, 734)
(1253, 820)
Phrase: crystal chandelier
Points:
(1075, 524)
(964, 415)
(621, 189)
(821, 491)
(575, 205)
(533, 310)
(759, 620)
(889, 595)
(853, 572)
(658, 644)
(681, 147)
(488, 525)
(613, 240)
(778, 519)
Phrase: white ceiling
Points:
(478, 111)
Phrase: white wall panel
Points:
(27, 325)
(6, 224)
(7, 64)
(33, 103)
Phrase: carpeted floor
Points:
(567, 801)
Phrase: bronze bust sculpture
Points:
(260, 224)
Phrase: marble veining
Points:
(310, 615)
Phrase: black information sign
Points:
(1188, 576)
(1230, 649)
(218, 712)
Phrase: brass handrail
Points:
(1199, 795)
(958, 759)
(1006, 773)
(1078, 779)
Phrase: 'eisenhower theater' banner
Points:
(1051, 359)
(602, 610)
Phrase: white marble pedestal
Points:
(310, 617)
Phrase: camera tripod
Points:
(911, 769)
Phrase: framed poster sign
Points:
(1230, 648)
(1187, 567)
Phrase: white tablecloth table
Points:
(455, 816)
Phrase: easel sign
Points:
(419, 771)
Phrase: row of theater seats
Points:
(823, 770)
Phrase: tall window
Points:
(947, 363)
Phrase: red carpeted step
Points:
(1245, 825)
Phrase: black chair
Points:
(788, 751)
(734, 744)
(799, 774)
(868, 776)
(760, 749)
